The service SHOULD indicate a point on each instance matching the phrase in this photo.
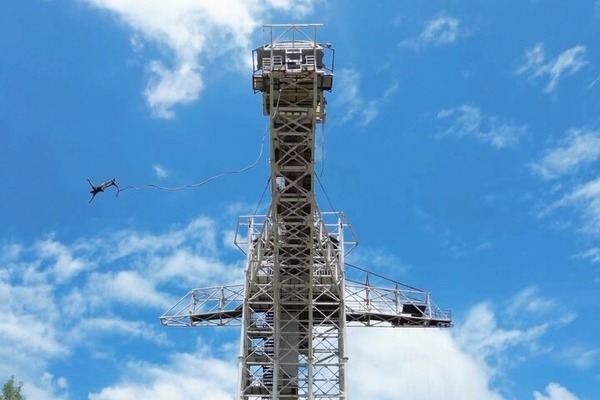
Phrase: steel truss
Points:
(296, 303)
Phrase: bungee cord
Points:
(212, 178)
(204, 182)
(96, 190)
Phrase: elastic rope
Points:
(204, 182)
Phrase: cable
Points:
(325, 193)
(204, 182)
(262, 195)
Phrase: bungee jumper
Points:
(100, 188)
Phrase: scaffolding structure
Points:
(296, 302)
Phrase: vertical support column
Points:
(289, 74)
(343, 359)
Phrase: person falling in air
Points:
(100, 188)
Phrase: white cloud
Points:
(554, 391)
(374, 259)
(462, 363)
(195, 33)
(66, 265)
(30, 332)
(441, 30)
(592, 254)
(347, 81)
(421, 363)
(352, 102)
(199, 234)
(198, 375)
(594, 83)
(581, 357)
(22, 332)
(468, 120)
(530, 300)
(575, 191)
(568, 62)
(47, 387)
(484, 340)
(585, 199)
(172, 86)
(125, 287)
(182, 265)
(160, 171)
(102, 326)
(137, 45)
(45, 320)
(428, 363)
(578, 148)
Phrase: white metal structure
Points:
(296, 303)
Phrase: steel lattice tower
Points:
(296, 303)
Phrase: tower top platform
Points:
(292, 49)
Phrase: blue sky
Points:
(462, 142)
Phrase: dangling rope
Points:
(204, 182)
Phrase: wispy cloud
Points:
(196, 33)
(585, 199)
(351, 100)
(581, 357)
(530, 300)
(578, 148)
(160, 171)
(375, 260)
(572, 201)
(442, 30)
(592, 254)
(468, 120)
(91, 328)
(554, 391)
(536, 66)
(594, 83)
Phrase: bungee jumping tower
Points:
(296, 302)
